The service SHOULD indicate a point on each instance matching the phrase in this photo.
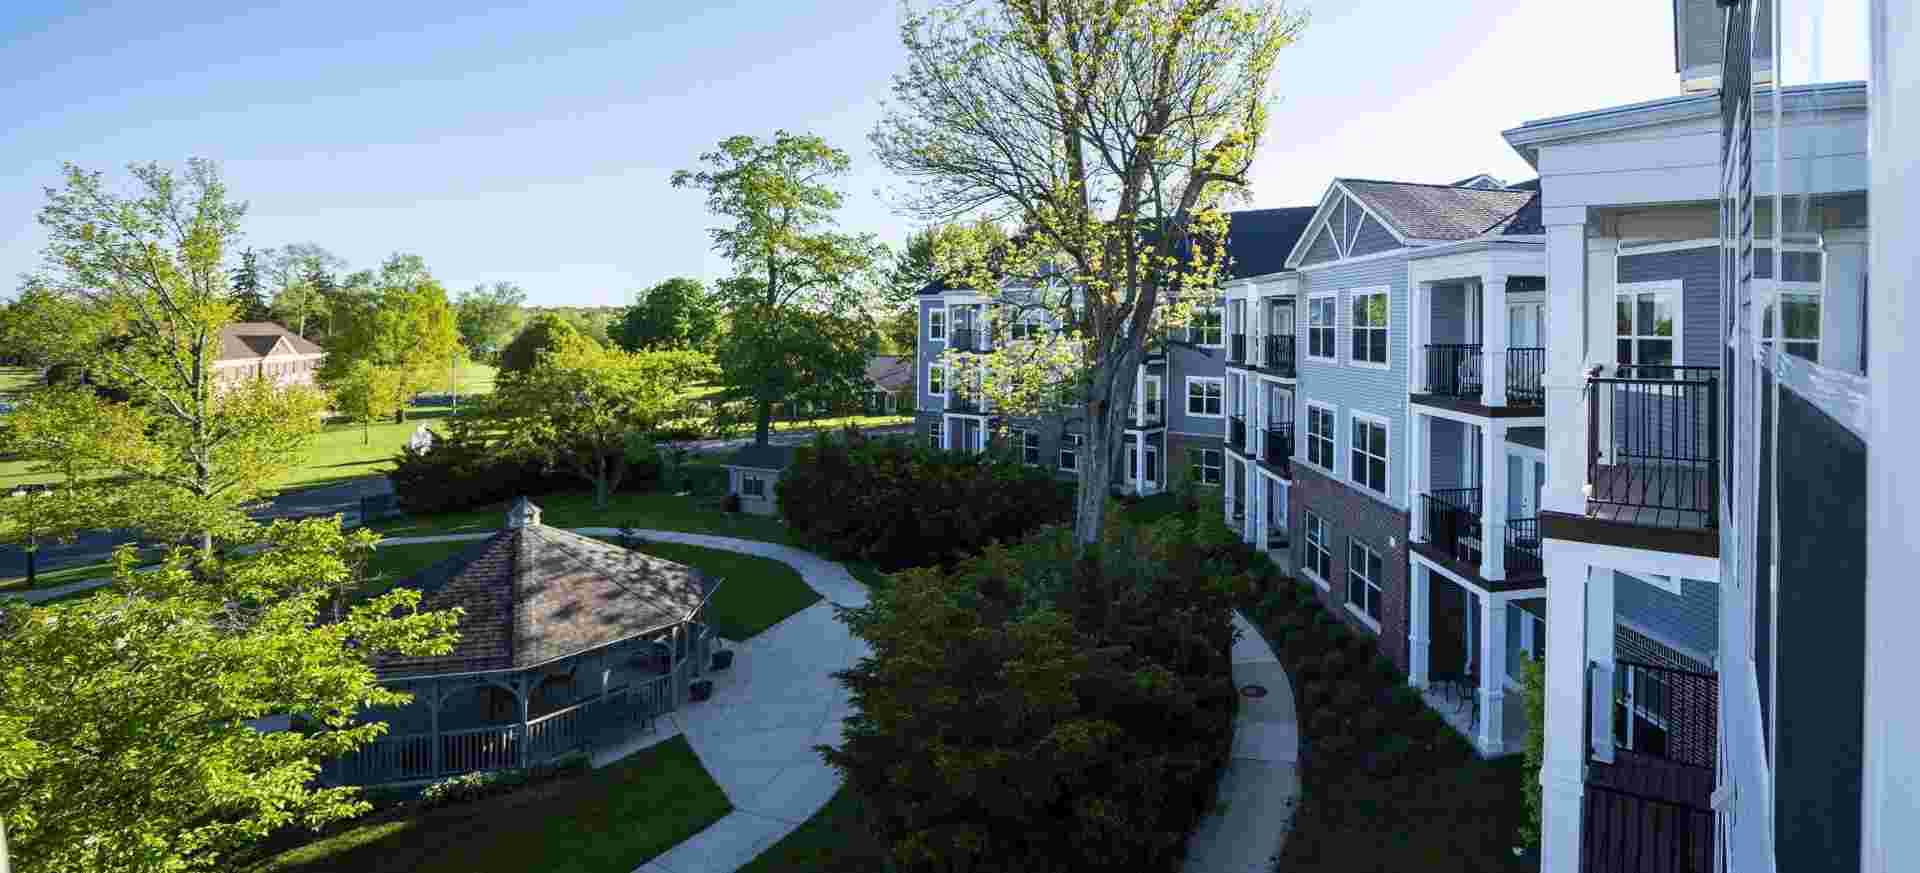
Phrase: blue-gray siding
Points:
(1184, 361)
(1372, 238)
(1450, 314)
(1449, 446)
(929, 352)
(1699, 273)
(1322, 250)
(1689, 621)
(1350, 389)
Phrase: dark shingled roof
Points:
(252, 340)
(761, 457)
(1258, 240)
(1438, 212)
(890, 372)
(535, 593)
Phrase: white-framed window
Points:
(1646, 331)
(1027, 442)
(1368, 466)
(1070, 444)
(1796, 314)
(1206, 466)
(1207, 326)
(1368, 329)
(1205, 395)
(1029, 325)
(753, 486)
(936, 434)
(1320, 436)
(1322, 316)
(937, 380)
(1319, 556)
(1365, 572)
(937, 324)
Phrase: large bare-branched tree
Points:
(1109, 133)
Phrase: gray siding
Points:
(1372, 238)
(929, 352)
(1322, 250)
(1350, 389)
(1449, 446)
(1449, 315)
(1184, 361)
(1689, 621)
(1699, 273)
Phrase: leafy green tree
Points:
(543, 331)
(186, 453)
(47, 325)
(583, 406)
(403, 325)
(249, 303)
(1117, 131)
(677, 313)
(807, 359)
(487, 314)
(125, 742)
(779, 198)
(290, 269)
(368, 392)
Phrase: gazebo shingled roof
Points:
(534, 594)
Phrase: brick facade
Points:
(1349, 513)
(1692, 703)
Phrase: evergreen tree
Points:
(249, 304)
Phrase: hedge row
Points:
(463, 471)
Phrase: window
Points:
(1204, 395)
(1319, 557)
(937, 324)
(1206, 328)
(1320, 436)
(753, 486)
(1028, 326)
(1205, 466)
(1369, 468)
(1027, 442)
(1320, 322)
(937, 379)
(1646, 321)
(1799, 316)
(936, 435)
(1070, 451)
(1369, 328)
(1364, 573)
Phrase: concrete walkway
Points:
(756, 734)
(1262, 781)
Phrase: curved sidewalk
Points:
(756, 735)
(1262, 781)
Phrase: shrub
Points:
(464, 470)
(730, 503)
(897, 504)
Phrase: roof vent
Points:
(523, 514)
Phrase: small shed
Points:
(889, 385)
(752, 473)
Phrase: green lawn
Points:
(832, 840)
(754, 592)
(657, 510)
(610, 821)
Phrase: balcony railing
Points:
(968, 339)
(1237, 432)
(1453, 370)
(1279, 354)
(1276, 447)
(1666, 713)
(1237, 348)
(1526, 368)
(958, 402)
(1653, 446)
(1523, 546)
(1453, 522)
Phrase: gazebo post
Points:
(673, 668)
(522, 692)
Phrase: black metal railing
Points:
(1237, 348)
(1653, 446)
(958, 402)
(1276, 446)
(1526, 368)
(1453, 522)
(1237, 432)
(968, 339)
(1523, 546)
(1278, 354)
(1453, 370)
(1625, 832)
(1666, 713)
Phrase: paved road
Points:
(97, 545)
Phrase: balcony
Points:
(969, 339)
(1276, 448)
(1278, 354)
(1237, 348)
(1455, 531)
(1653, 447)
(1156, 414)
(1455, 371)
(1649, 808)
(1237, 433)
(958, 402)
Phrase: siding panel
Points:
(1184, 361)
(1699, 273)
(1689, 621)
(1372, 238)
(1349, 389)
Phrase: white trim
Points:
(1349, 296)
(1306, 547)
(1379, 585)
(1363, 617)
(1474, 420)
(1386, 427)
(1307, 315)
(1656, 286)
(1361, 259)
(1203, 450)
(1078, 443)
(1337, 192)
(1631, 560)
(1662, 581)
(1187, 397)
(1306, 433)
(940, 311)
(943, 380)
(1623, 247)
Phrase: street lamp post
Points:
(31, 493)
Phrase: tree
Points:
(368, 392)
(487, 314)
(542, 332)
(290, 270)
(779, 197)
(249, 303)
(184, 454)
(584, 406)
(1110, 132)
(47, 325)
(126, 745)
(807, 359)
(402, 324)
(677, 313)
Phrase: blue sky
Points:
(534, 145)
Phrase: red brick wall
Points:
(1349, 513)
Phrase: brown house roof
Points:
(535, 593)
(890, 372)
(1438, 212)
(253, 340)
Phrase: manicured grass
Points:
(13, 379)
(754, 594)
(657, 510)
(610, 821)
(832, 841)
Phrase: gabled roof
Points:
(533, 594)
(1483, 180)
(1436, 212)
(890, 372)
(1258, 240)
(253, 340)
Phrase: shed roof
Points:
(758, 457)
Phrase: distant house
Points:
(752, 473)
(889, 384)
(265, 350)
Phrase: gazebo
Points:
(568, 642)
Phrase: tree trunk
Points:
(600, 482)
(1106, 413)
(764, 422)
(366, 431)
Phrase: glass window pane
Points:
(1623, 316)
(1379, 348)
(1379, 440)
(1645, 315)
(1624, 351)
(1656, 352)
(1377, 475)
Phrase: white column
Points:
(1493, 672)
(1599, 652)
(1563, 770)
(1139, 467)
(1140, 396)
(1566, 358)
(1419, 611)
(1493, 339)
(1419, 475)
(1493, 499)
(1418, 311)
